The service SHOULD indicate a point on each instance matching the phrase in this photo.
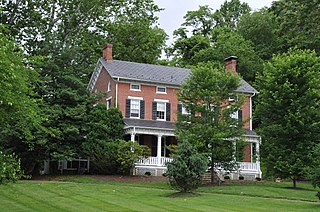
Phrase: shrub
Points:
(187, 167)
(241, 177)
(147, 174)
(226, 177)
(9, 168)
(128, 154)
(258, 179)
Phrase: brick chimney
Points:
(231, 63)
(107, 52)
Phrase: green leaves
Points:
(288, 110)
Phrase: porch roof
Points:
(149, 124)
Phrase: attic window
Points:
(135, 87)
(161, 89)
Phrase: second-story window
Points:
(135, 87)
(134, 108)
(161, 111)
(161, 89)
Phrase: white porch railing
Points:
(249, 166)
(153, 161)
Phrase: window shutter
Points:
(168, 111)
(154, 110)
(127, 108)
(180, 108)
(240, 115)
(142, 109)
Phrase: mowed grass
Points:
(93, 195)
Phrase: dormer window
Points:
(161, 89)
(135, 87)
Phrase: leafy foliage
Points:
(210, 126)
(128, 154)
(187, 167)
(9, 168)
(289, 112)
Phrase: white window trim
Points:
(132, 117)
(107, 99)
(132, 89)
(109, 86)
(160, 91)
(165, 110)
(161, 100)
(184, 110)
(135, 97)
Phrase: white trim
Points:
(133, 89)
(161, 100)
(107, 100)
(109, 86)
(135, 97)
(160, 92)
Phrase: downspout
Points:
(251, 109)
(117, 92)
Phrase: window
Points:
(233, 98)
(134, 108)
(184, 111)
(109, 86)
(108, 103)
(161, 89)
(161, 111)
(135, 87)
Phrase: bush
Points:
(258, 179)
(147, 174)
(9, 168)
(227, 177)
(128, 154)
(241, 177)
(187, 167)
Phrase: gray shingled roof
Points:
(146, 72)
(156, 73)
(149, 123)
(164, 125)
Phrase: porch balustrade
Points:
(153, 161)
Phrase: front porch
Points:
(159, 135)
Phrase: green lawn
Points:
(92, 195)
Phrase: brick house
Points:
(147, 97)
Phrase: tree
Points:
(230, 13)
(69, 36)
(20, 119)
(259, 28)
(315, 168)
(210, 125)
(226, 42)
(298, 24)
(104, 130)
(9, 168)
(186, 168)
(289, 113)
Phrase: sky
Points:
(171, 17)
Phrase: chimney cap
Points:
(231, 58)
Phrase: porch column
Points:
(159, 150)
(133, 135)
(258, 157)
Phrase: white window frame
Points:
(135, 98)
(109, 86)
(164, 111)
(184, 110)
(135, 84)
(161, 92)
(108, 102)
